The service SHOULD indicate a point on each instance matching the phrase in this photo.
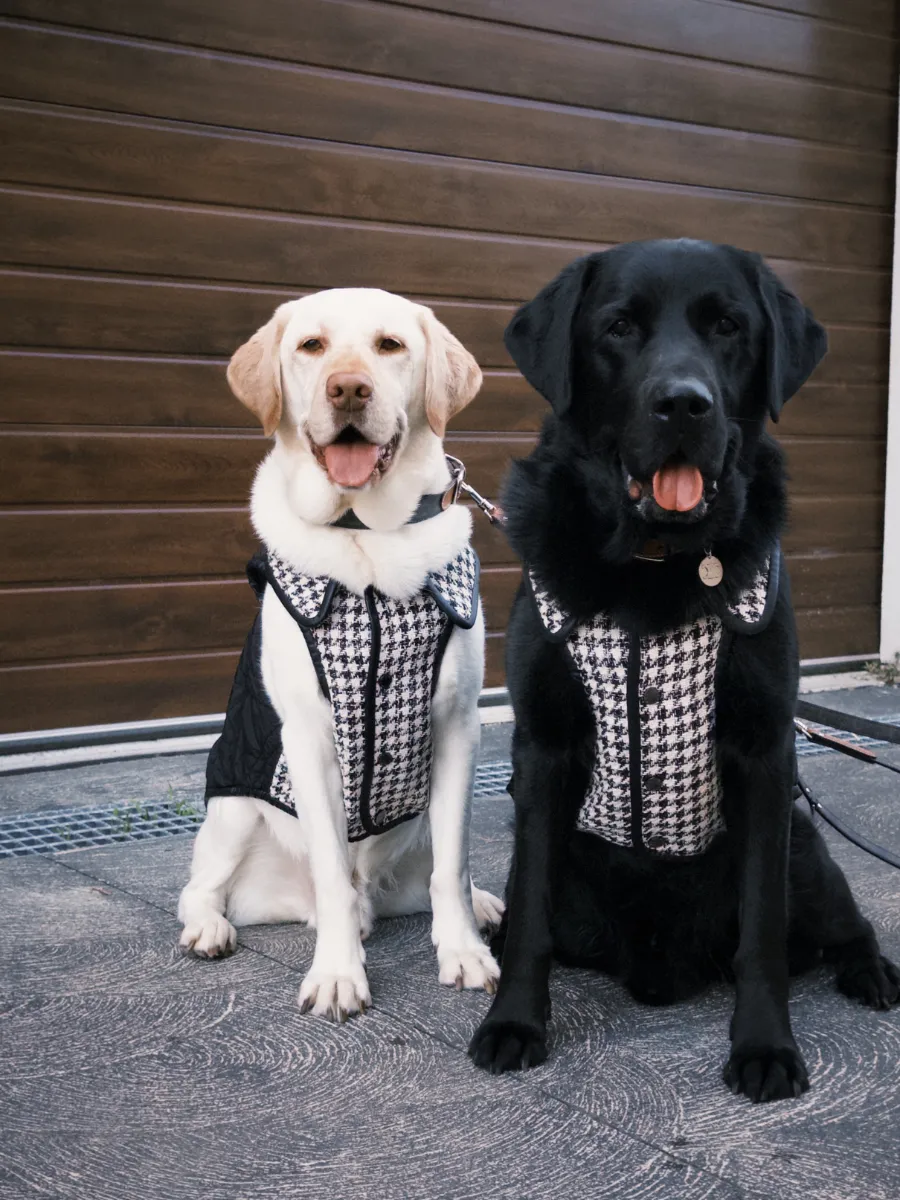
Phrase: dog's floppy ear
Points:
(795, 341)
(539, 337)
(254, 373)
(452, 376)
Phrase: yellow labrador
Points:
(340, 789)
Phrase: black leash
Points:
(864, 754)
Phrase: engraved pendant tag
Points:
(710, 571)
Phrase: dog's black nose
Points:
(683, 403)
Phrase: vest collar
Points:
(308, 598)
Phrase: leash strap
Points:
(434, 503)
(820, 738)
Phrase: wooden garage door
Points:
(173, 170)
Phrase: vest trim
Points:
(633, 705)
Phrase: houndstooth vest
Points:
(377, 661)
(655, 780)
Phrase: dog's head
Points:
(350, 376)
(662, 360)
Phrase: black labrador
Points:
(652, 661)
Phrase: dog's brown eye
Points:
(389, 345)
(312, 346)
(726, 326)
(620, 328)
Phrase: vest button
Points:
(653, 783)
(385, 681)
(651, 695)
(656, 841)
(385, 759)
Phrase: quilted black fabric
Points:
(242, 762)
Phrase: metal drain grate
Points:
(59, 829)
(491, 778)
(806, 749)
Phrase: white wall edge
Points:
(890, 577)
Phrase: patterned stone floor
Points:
(130, 1071)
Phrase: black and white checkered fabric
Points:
(378, 657)
(751, 603)
(304, 593)
(680, 790)
(456, 583)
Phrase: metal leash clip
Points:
(493, 512)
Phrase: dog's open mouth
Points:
(351, 461)
(677, 488)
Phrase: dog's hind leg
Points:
(219, 849)
(825, 917)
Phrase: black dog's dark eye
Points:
(389, 345)
(620, 328)
(727, 327)
(311, 345)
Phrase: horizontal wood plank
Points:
(763, 37)
(105, 691)
(486, 56)
(111, 620)
(127, 689)
(46, 388)
(832, 632)
(102, 467)
(95, 312)
(124, 619)
(121, 544)
(155, 80)
(93, 233)
(62, 148)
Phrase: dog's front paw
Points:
(211, 937)
(487, 908)
(335, 995)
(766, 1072)
(500, 1045)
(470, 968)
(872, 980)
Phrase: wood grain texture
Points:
(172, 161)
(165, 617)
(157, 80)
(102, 467)
(103, 691)
(734, 32)
(45, 308)
(49, 229)
(96, 544)
(53, 388)
(456, 51)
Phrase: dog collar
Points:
(432, 504)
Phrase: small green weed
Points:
(887, 672)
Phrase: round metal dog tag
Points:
(711, 571)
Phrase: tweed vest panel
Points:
(655, 780)
(378, 661)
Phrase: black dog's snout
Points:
(683, 404)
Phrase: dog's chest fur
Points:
(654, 780)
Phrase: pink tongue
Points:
(678, 487)
(350, 464)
